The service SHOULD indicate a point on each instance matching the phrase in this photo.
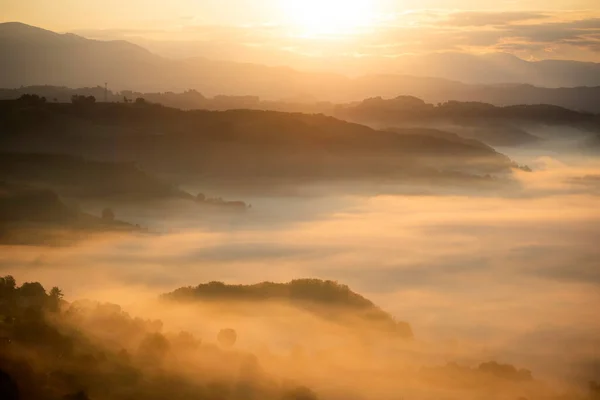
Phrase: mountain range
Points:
(34, 56)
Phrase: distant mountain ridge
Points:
(34, 56)
(502, 68)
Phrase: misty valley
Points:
(218, 230)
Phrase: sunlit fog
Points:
(299, 200)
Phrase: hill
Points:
(501, 68)
(496, 126)
(34, 56)
(58, 350)
(238, 144)
(76, 177)
(37, 216)
(326, 299)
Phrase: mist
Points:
(299, 200)
(510, 277)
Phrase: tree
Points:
(56, 292)
(227, 337)
(154, 347)
(300, 393)
(82, 100)
(56, 296)
(8, 283)
(32, 289)
(32, 99)
(140, 101)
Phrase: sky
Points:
(367, 29)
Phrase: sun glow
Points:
(324, 17)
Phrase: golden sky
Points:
(531, 29)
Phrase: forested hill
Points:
(327, 299)
(238, 144)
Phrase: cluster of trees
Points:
(54, 350)
(77, 99)
(218, 201)
(486, 374)
(32, 99)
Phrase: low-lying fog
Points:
(513, 278)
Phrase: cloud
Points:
(528, 34)
(465, 19)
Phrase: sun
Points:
(323, 17)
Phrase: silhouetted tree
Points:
(32, 99)
(154, 347)
(56, 296)
(82, 100)
(32, 289)
(227, 337)
(7, 283)
(300, 393)
(505, 371)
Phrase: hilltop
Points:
(326, 299)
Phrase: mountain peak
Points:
(20, 28)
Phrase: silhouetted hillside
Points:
(36, 56)
(475, 134)
(496, 126)
(428, 89)
(237, 144)
(327, 299)
(411, 108)
(77, 177)
(501, 68)
(486, 374)
(57, 349)
(51, 349)
(38, 216)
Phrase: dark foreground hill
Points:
(54, 349)
(326, 299)
(51, 349)
(240, 144)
